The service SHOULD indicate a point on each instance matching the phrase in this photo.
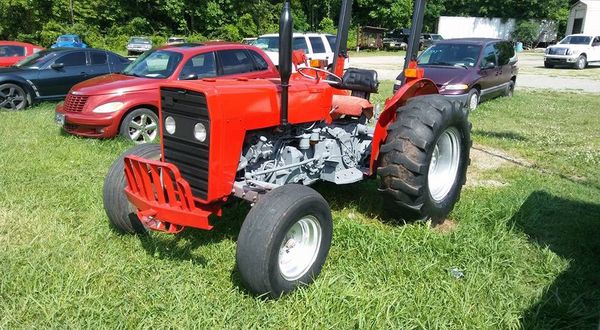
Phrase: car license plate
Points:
(60, 119)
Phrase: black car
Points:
(50, 74)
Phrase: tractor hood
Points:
(115, 84)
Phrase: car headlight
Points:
(456, 87)
(109, 107)
(170, 125)
(547, 51)
(200, 132)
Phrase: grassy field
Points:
(528, 247)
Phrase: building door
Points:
(577, 25)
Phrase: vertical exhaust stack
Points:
(285, 57)
(415, 32)
(341, 45)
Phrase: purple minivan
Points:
(470, 70)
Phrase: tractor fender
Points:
(409, 90)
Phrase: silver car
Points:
(138, 45)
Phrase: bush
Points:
(527, 32)
(327, 26)
(228, 32)
(246, 26)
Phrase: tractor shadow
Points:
(182, 246)
(570, 229)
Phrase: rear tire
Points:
(284, 240)
(121, 214)
(510, 89)
(423, 163)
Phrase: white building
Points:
(584, 17)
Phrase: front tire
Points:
(473, 99)
(140, 126)
(121, 214)
(548, 65)
(284, 240)
(423, 163)
(581, 62)
(12, 97)
(510, 89)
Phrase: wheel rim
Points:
(581, 64)
(299, 248)
(11, 98)
(473, 102)
(443, 168)
(143, 128)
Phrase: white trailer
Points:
(475, 27)
(584, 18)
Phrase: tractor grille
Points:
(191, 156)
(75, 103)
(557, 51)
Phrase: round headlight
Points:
(170, 125)
(200, 132)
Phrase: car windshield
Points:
(36, 60)
(66, 39)
(10, 51)
(139, 41)
(462, 55)
(158, 64)
(268, 43)
(576, 40)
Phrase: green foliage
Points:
(109, 23)
(527, 32)
(327, 26)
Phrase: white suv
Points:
(577, 50)
(316, 46)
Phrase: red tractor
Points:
(266, 141)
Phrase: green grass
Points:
(591, 72)
(529, 249)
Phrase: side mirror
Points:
(191, 76)
(57, 66)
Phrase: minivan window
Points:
(505, 52)
(271, 44)
(464, 55)
(489, 56)
(317, 44)
(332, 41)
(235, 61)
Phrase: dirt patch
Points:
(485, 159)
(446, 227)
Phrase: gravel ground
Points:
(533, 75)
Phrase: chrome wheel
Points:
(299, 248)
(581, 63)
(143, 128)
(473, 101)
(12, 97)
(443, 168)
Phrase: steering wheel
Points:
(337, 79)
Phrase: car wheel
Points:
(510, 89)
(140, 126)
(12, 97)
(473, 99)
(548, 65)
(581, 62)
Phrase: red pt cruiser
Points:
(126, 104)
